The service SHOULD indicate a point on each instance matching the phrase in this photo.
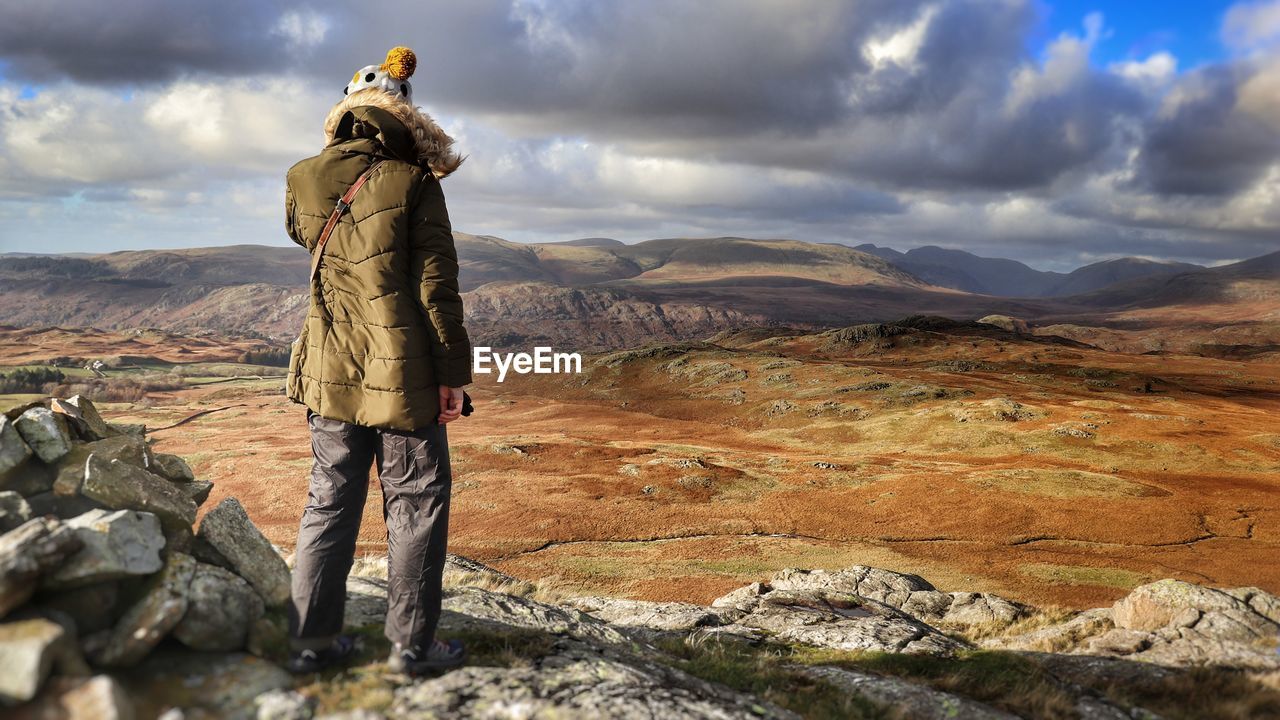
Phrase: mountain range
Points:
(961, 270)
(597, 293)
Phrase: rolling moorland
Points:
(747, 407)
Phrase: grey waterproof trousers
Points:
(413, 469)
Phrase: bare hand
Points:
(450, 404)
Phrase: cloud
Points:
(1252, 25)
(901, 122)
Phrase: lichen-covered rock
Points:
(14, 511)
(172, 467)
(221, 607)
(80, 698)
(906, 699)
(577, 682)
(13, 449)
(122, 486)
(34, 548)
(970, 609)
(45, 432)
(228, 529)
(29, 650)
(84, 416)
(842, 621)
(116, 544)
(911, 594)
(145, 623)
(1177, 623)
(1153, 606)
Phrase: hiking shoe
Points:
(436, 657)
(310, 661)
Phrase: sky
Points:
(1054, 132)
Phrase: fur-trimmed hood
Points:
(432, 144)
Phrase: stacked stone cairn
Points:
(100, 560)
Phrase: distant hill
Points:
(600, 295)
(962, 270)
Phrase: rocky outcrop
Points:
(94, 564)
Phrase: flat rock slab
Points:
(29, 650)
(228, 529)
(836, 620)
(907, 699)
(466, 608)
(221, 607)
(203, 684)
(116, 544)
(123, 486)
(911, 594)
(577, 683)
(146, 623)
(660, 616)
(71, 468)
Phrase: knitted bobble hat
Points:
(391, 76)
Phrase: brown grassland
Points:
(1042, 469)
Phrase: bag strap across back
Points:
(344, 204)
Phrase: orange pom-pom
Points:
(400, 63)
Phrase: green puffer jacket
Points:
(385, 324)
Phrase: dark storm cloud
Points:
(1207, 144)
(137, 41)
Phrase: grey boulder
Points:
(72, 468)
(116, 544)
(123, 486)
(45, 433)
(146, 623)
(221, 607)
(13, 449)
(228, 529)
